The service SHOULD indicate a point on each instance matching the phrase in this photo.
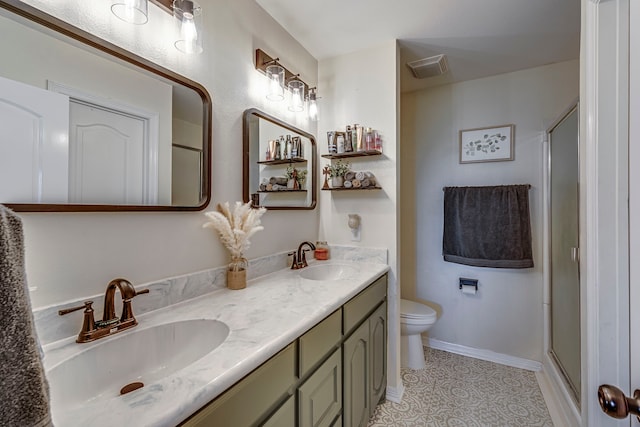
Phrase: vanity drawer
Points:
(364, 303)
(259, 393)
(319, 342)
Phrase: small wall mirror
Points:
(279, 163)
(88, 126)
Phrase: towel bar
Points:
(528, 185)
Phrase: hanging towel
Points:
(24, 394)
(487, 226)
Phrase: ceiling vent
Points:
(429, 67)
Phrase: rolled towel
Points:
(371, 177)
(263, 187)
(280, 180)
(365, 183)
(278, 187)
(349, 176)
(347, 184)
(269, 187)
(356, 183)
(360, 176)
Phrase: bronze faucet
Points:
(299, 258)
(110, 323)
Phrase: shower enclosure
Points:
(563, 191)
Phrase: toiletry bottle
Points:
(368, 140)
(348, 141)
(287, 148)
(354, 138)
(378, 141)
(278, 155)
(331, 142)
(322, 251)
(360, 138)
(294, 147)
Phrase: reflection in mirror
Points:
(279, 163)
(87, 129)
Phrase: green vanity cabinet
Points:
(333, 375)
(249, 401)
(320, 396)
(365, 353)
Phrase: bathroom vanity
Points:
(341, 359)
(296, 347)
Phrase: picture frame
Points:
(487, 144)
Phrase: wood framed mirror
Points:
(89, 126)
(279, 163)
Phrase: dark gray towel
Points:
(487, 226)
(24, 394)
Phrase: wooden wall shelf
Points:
(283, 161)
(352, 154)
(351, 189)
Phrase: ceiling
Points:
(479, 38)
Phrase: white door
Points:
(107, 156)
(34, 130)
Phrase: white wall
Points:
(363, 88)
(70, 255)
(506, 316)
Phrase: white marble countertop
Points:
(269, 314)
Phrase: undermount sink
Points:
(139, 355)
(328, 272)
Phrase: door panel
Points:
(34, 130)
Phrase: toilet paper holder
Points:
(468, 282)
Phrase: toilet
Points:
(415, 318)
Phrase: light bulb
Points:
(275, 74)
(189, 14)
(296, 103)
(131, 11)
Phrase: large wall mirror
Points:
(88, 126)
(279, 163)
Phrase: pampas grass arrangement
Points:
(235, 229)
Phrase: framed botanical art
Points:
(490, 144)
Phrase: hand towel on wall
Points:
(487, 226)
(24, 395)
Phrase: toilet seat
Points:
(411, 310)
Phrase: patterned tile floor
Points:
(457, 391)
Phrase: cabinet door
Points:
(285, 416)
(378, 358)
(356, 378)
(254, 397)
(320, 397)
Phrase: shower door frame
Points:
(570, 394)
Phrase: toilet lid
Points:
(414, 310)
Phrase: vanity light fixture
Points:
(312, 104)
(277, 75)
(297, 93)
(131, 11)
(189, 13)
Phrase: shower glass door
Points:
(564, 232)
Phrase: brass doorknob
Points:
(615, 404)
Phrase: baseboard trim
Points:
(394, 394)
(488, 355)
(562, 409)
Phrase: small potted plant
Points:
(234, 229)
(337, 171)
(295, 178)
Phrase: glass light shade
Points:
(296, 89)
(189, 13)
(312, 110)
(275, 75)
(132, 11)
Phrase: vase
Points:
(237, 274)
(337, 181)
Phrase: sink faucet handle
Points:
(127, 310)
(88, 322)
(86, 305)
(294, 264)
(303, 260)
